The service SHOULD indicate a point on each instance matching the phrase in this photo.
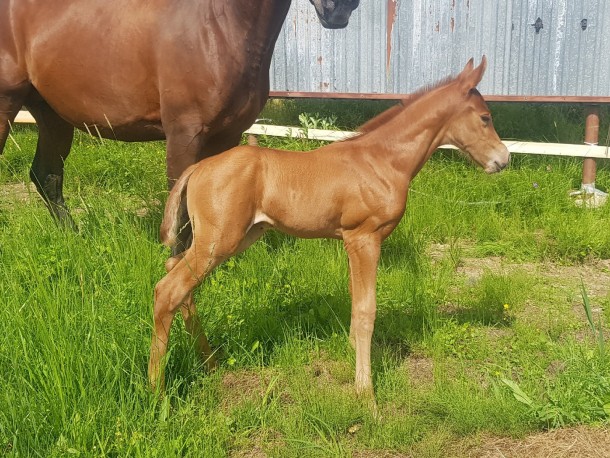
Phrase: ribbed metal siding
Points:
(310, 58)
(431, 39)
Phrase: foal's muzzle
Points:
(499, 160)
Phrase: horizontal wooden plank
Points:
(514, 146)
(297, 132)
(557, 149)
(25, 117)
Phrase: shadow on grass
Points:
(483, 314)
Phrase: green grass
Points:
(454, 350)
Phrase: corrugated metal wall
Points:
(398, 46)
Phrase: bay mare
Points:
(195, 72)
(354, 190)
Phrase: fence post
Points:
(589, 168)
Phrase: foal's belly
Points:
(302, 224)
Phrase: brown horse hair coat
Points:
(354, 190)
(193, 72)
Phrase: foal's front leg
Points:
(363, 253)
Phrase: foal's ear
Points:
(467, 69)
(477, 73)
(470, 78)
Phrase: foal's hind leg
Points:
(175, 290)
(193, 323)
(171, 293)
(47, 172)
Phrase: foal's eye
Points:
(486, 119)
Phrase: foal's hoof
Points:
(156, 378)
(367, 397)
(211, 363)
(157, 387)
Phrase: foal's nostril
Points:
(501, 165)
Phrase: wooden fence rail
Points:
(514, 146)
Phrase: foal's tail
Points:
(176, 217)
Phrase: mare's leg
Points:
(189, 141)
(47, 171)
(11, 100)
(14, 88)
(363, 253)
(220, 143)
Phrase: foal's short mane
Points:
(389, 114)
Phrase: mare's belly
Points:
(136, 131)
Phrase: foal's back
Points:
(306, 194)
(294, 192)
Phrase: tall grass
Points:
(75, 321)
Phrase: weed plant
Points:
(456, 354)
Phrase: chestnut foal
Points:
(354, 190)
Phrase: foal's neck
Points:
(409, 138)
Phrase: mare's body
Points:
(195, 72)
(354, 190)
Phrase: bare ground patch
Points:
(420, 370)
(379, 454)
(247, 385)
(580, 442)
(595, 273)
(11, 192)
(257, 444)
(559, 282)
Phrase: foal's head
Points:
(471, 128)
